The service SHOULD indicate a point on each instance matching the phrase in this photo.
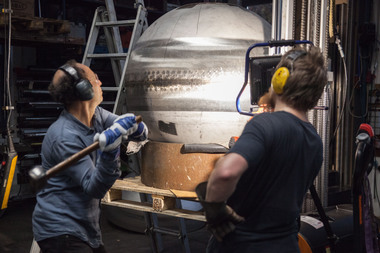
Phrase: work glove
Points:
(110, 139)
(221, 218)
(141, 134)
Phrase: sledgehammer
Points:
(38, 176)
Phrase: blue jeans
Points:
(244, 242)
(67, 244)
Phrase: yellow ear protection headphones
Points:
(82, 86)
(282, 74)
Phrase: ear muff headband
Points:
(83, 87)
(282, 74)
(70, 71)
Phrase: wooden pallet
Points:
(35, 29)
(164, 201)
(35, 24)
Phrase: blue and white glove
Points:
(110, 139)
(141, 134)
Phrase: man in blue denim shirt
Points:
(67, 214)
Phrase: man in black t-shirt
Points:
(254, 194)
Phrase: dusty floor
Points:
(16, 232)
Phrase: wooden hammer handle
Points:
(76, 157)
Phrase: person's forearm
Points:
(224, 177)
(100, 180)
(219, 189)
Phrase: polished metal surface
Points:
(187, 69)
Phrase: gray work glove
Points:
(221, 218)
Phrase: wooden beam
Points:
(337, 2)
(146, 207)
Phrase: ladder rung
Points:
(110, 88)
(117, 23)
(111, 55)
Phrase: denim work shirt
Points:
(70, 201)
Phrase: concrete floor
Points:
(16, 233)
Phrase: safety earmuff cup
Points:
(279, 79)
(282, 74)
(83, 87)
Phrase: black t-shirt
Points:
(284, 156)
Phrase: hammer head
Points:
(38, 178)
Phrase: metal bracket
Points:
(273, 43)
(6, 10)
(8, 108)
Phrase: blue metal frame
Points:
(273, 43)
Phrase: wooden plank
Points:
(30, 38)
(184, 194)
(145, 207)
(112, 195)
(43, 25)
(34, 25)
(134, 184)
(337, 2)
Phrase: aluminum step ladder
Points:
(106, 19)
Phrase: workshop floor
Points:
(16, 233)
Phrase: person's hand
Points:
(222, 223)
(221, 218)
(110, 139)
(141, 134)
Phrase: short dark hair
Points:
(305, 84)
(62, 89)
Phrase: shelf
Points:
(39, 30)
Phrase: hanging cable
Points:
(11, 161)
(4, 99)
(345, 93)
(10, 104)
(357, 84)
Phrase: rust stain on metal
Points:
(163, 166)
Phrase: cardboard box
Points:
(24, 8)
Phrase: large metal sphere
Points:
(187, 68)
